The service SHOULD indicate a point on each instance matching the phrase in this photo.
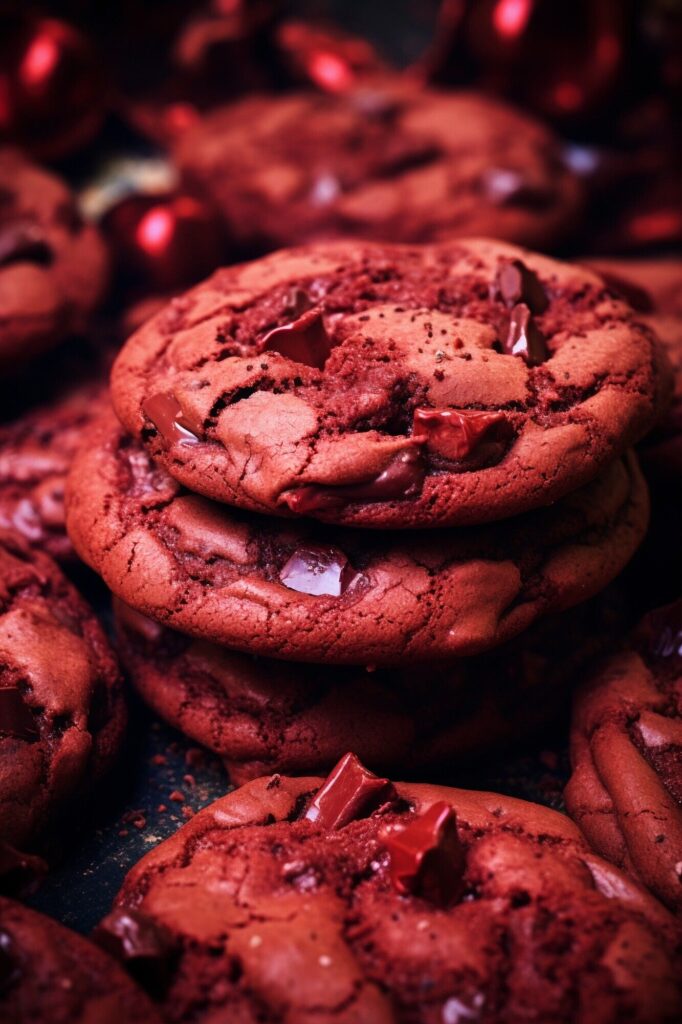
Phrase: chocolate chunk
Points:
(509, 187)
(172, 423)
(427, 858)
(350, 792)
(10, 971)
(143, 945)
(403, 477)
(517, 283)
(457, 434)
(304, 340)
(524, 338)
(19, 872)
(24, 242)
(16, 719)
(317, 570)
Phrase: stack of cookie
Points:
(381, 461)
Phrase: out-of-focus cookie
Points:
(53, 266)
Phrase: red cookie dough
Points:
(50, 974)
(53, 266)
(391, 163)
(406, 904)
(265, 716)
(305, 592)
(379, 385)
(62, 714)
(626, 750)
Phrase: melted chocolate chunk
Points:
(524, 338)
(457, 434)
(136, 940)
(16, 719)
(19, 872)
(172, 423)
(517, 283)
(402, 478)
(10, 970)
(24, 242)
(304, 340)
(319, 570)
(350, 792)
(509, 187)
(427, 858)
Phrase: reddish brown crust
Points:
(53, 648)
(413, 327)
(389, 162)
(211, 572)
(570, 937)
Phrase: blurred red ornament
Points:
(51, 86)
(164, 241)
(565, 61)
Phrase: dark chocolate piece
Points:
(144, 946)
(458, 433)
(517, 283)
(24, 242)
(402, 478)
(16, 719)
(166, 414)
(524, 338)
(304, 340)
(659, 637)
(427, 858)
(319, 570)
(10, 971)
(350, 792)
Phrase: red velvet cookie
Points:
(305, 592)
(626, 749)
(53, 266)
(356, 900)
(61, 705)
(50, 974)
(391, 163)
(380, 385)
(35, 454)
(263, 716)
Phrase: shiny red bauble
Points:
(52, 89)
(164, 241)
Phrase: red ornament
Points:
(566, 61)
(167, 241)
(51, 86)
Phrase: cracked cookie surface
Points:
(378, 385)
(262, 716)
(61, 704)
(625, 792)
(309, 592)
(275, 913)
(394, 164)
(53, 266)
(49, 973)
